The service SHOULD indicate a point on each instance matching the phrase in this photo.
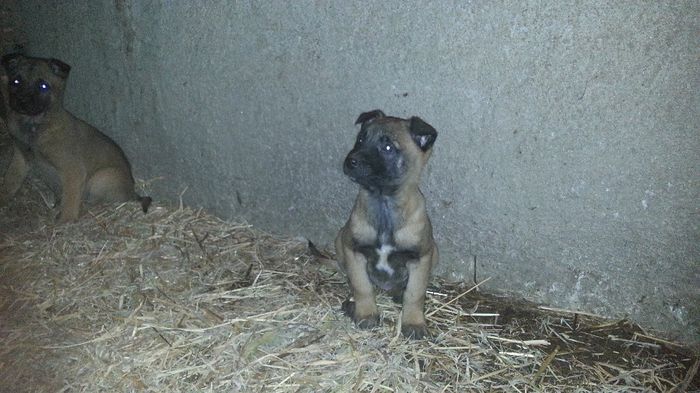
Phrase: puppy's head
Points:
(34, 86)
(389, 152)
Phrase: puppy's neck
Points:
(387, 212)
(398, 196)
(382, 213)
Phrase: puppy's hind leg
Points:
(109, 185)
(114, 185)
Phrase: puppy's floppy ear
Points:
(10, 62)
(422, 133)
(59, 68)
(369, 116)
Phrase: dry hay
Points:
(179, 301)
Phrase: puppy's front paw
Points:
(67, 214)
(361, 321)
(367, 322)
(66, 218)
(415, 332)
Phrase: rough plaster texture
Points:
(568, 160)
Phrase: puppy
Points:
(388, 242)
(77, 161)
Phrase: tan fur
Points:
(79, 162)
(413, 230)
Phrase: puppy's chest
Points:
(385, 247)
(25, 131)
(387, 264)
(25, 136)
(386, 256)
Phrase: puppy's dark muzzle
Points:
(352, 166)
(27, 104)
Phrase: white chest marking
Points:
(383, 263)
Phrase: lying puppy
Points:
(76, 161)
(388, 240)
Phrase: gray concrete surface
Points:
(568, 158)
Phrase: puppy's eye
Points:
(16, 82)
(388, 147)
(44, 87)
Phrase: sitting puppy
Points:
(73, 158)
(388, 240)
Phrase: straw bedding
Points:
(178, 300)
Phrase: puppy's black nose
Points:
(351, 162)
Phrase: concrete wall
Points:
(11, 35)
(568, 156)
